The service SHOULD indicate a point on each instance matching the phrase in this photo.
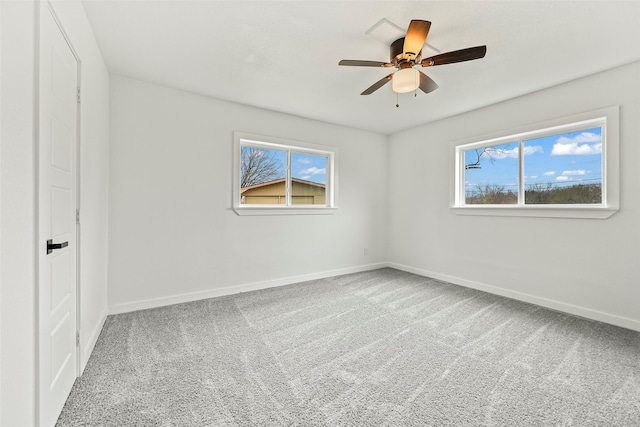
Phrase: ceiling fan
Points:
(405, 54)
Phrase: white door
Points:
(57, 256)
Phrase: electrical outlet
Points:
(366, 251)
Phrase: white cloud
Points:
(513, 153)
(549, 173)
(575, 172)
(534, 176)
(586, 143)
(562, 178)
(583, 137)
(503, 153)
(306, 177)
(530, 149)
(313, 171)
(304, 160)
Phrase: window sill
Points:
(538, 211)
(276, 210)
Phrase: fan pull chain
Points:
(397, 103)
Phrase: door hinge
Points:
(77, 216)
(78, 95)
(77, 338)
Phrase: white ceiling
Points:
(283, 55)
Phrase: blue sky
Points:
(303, 166)
(563, 159)
(309, 167)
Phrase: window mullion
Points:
(603, 165)
(460, 174)
(328, 185)
(288, 180)
(521, 200)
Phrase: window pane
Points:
(491, 175)
(564, 168)
(308, 179)
(262, 176)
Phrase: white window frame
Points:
(607, 118)
(241, 139)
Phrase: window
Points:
(275, 176)
(491, 174)
(563, 168)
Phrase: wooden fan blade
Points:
(426, 83)
(461, 55)
(377, 85)
(415, 38)
(356, 63)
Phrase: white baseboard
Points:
(92, 339)
(588, 313)
(229, 290)
(218, 292)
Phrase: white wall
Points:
(17, 256)
(587, 267)
(173, 235)
(17, 223)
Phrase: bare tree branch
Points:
(488, 152)
(258, 166)
(476, 164)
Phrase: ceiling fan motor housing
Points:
(396, 53)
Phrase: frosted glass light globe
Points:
(406, 80)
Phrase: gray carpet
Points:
(377, 348)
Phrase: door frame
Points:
(47, 7)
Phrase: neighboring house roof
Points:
(276, 181)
